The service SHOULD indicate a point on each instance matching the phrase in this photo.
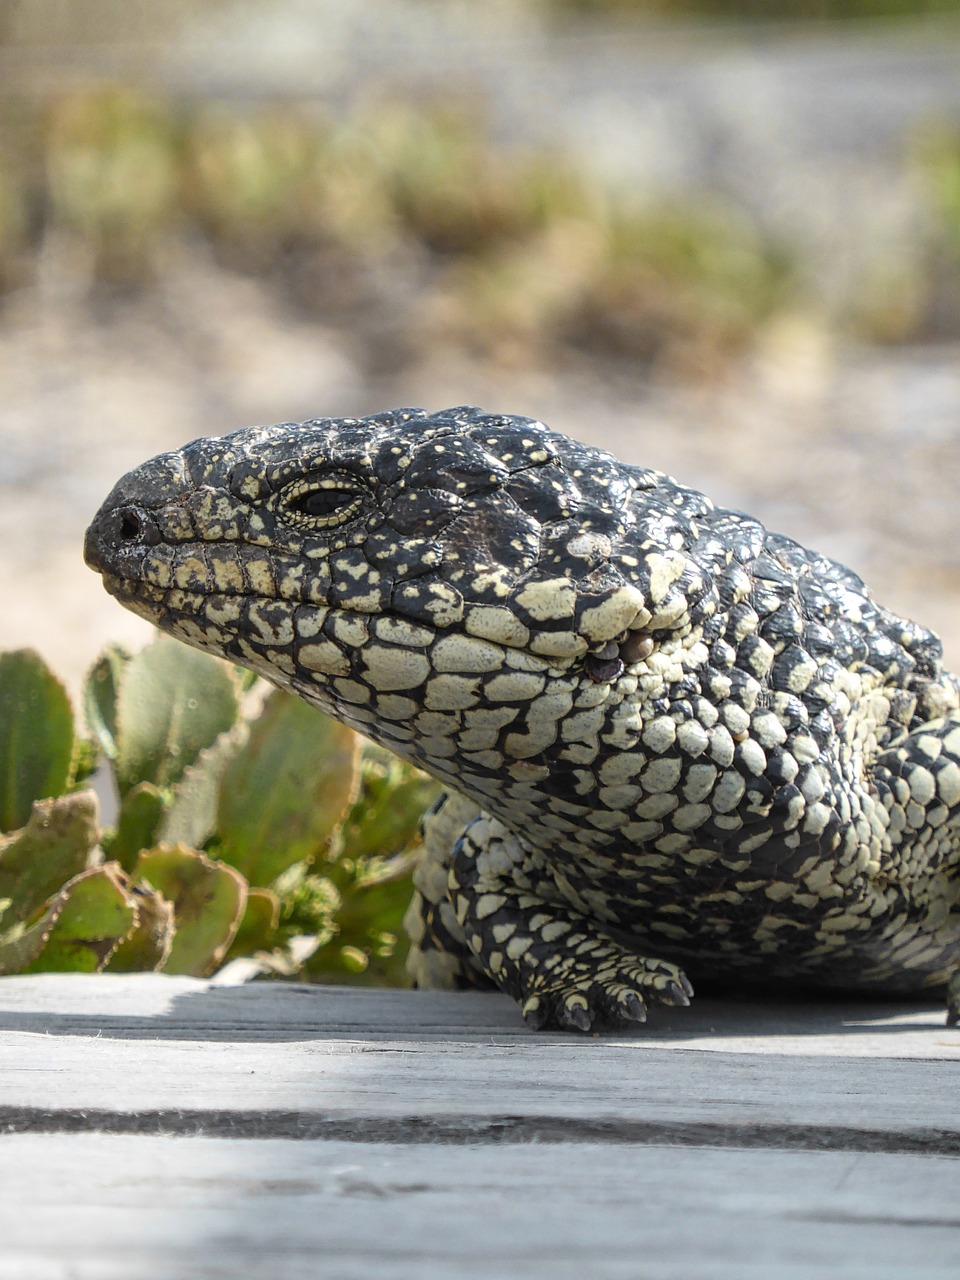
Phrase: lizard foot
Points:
(564, 971)
(595, 981)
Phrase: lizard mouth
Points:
(326, 647)
(346, 633)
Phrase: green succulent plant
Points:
(247, 824)
(394, 208)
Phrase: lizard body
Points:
(677, 746)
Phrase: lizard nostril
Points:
(131, 526)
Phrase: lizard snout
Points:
(114, 532)
(128, 522)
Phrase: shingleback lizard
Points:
(678, 747)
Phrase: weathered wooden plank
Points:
(94, 1207)
(162, 1007)
(423, 1135)
(299, 1061)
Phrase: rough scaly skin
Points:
(675, 744)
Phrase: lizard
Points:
(676, 747)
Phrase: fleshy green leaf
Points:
(286, 791)
(385, 818)
(36, 736)
(192, 813)
(354, 960)
(86, 757)
(374, 897)
(308, 903)
(173, 702)
(138, 823)
(22, 944)
(100, 692)
(208, 902)
(148, 946)
(246, 678)
(259, 924)
(57, 843)
(96, 912)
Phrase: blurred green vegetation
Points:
(760, 10)
(405, 226)
(939, 155)
(247, 826)
(401, 220)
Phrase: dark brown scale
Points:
(637, 647)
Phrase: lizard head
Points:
(450, 584)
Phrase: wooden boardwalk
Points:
(166, 1127)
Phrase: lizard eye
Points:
(323, 504)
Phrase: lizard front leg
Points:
(562, 968)
(439, 957)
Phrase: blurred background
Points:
(720, 237)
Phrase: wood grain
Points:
(177, 1128)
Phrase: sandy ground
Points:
(856, 453)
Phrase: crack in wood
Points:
(467, 1130)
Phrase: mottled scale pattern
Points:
(679, 749)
